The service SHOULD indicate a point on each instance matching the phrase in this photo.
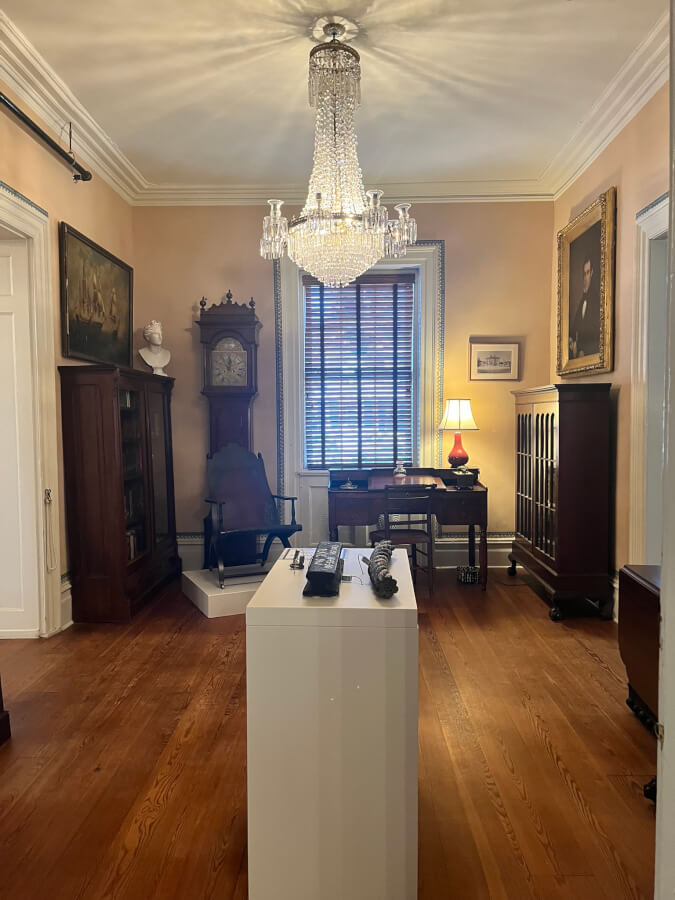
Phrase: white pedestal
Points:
(202, 587)
(332, 739)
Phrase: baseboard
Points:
(19, 634)
(191, 549)
(450, 552)
(191, 552)
(66, 602)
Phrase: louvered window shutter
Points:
(359, 348)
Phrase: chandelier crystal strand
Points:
(342, 230)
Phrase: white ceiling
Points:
(214, 93)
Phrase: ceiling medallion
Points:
(342, 230)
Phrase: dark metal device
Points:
(80, 173)
(325, 570)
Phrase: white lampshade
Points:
(458, 416)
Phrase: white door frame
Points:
(651, 223)
(26, 220)
(665, 806)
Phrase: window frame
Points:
(427, 258)
(402, 270)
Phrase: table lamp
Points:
(458, 418)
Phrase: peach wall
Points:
(499, 268)
(498, 271)
(187, 252)
(93, 208)
(636, 162)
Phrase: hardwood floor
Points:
(125, 774)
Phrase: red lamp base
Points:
(458, 455)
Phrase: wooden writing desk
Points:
(364, 503)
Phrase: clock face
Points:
(229, 364)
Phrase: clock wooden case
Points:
(229, 337)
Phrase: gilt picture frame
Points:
(96, 301)
(586, 265)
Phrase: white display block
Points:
(332, 738)
(202, 587)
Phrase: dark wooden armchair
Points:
(243, 509)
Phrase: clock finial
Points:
(202, 303)
(228, 296)
(252, 303)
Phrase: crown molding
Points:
(644, 72)
(32, 79)
(415, 192)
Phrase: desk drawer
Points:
(355, 508)
(462, 508)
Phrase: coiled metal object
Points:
(384, 584)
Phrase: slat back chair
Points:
(408, 501)
(242, 509)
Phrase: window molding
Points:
(427, 258)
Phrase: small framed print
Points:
(494, 362)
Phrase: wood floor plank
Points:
(573, 758)
(531, 788)
(570, 887)
(126, 773)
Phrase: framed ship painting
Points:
(96, 301)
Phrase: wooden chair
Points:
(408, 501)
(242, 509)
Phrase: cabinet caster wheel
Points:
(555, 614)
(511, 571)
(649, 790)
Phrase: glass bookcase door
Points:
(133, 472)
(157, 410)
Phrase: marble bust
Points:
(154, 355)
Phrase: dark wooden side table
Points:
(4, 720)
(639, 622)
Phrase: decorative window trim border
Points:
(428, 258)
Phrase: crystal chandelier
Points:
(342, 230)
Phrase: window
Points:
(360, 404)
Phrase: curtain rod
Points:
(80, 173)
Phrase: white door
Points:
(19, 583)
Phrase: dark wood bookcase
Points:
(118, 464)
(563, 493)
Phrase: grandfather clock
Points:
(229, 336)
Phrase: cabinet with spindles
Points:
(563, 494)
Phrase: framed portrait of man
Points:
(586, 249)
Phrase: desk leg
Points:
(482, 552)
(472, 545)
